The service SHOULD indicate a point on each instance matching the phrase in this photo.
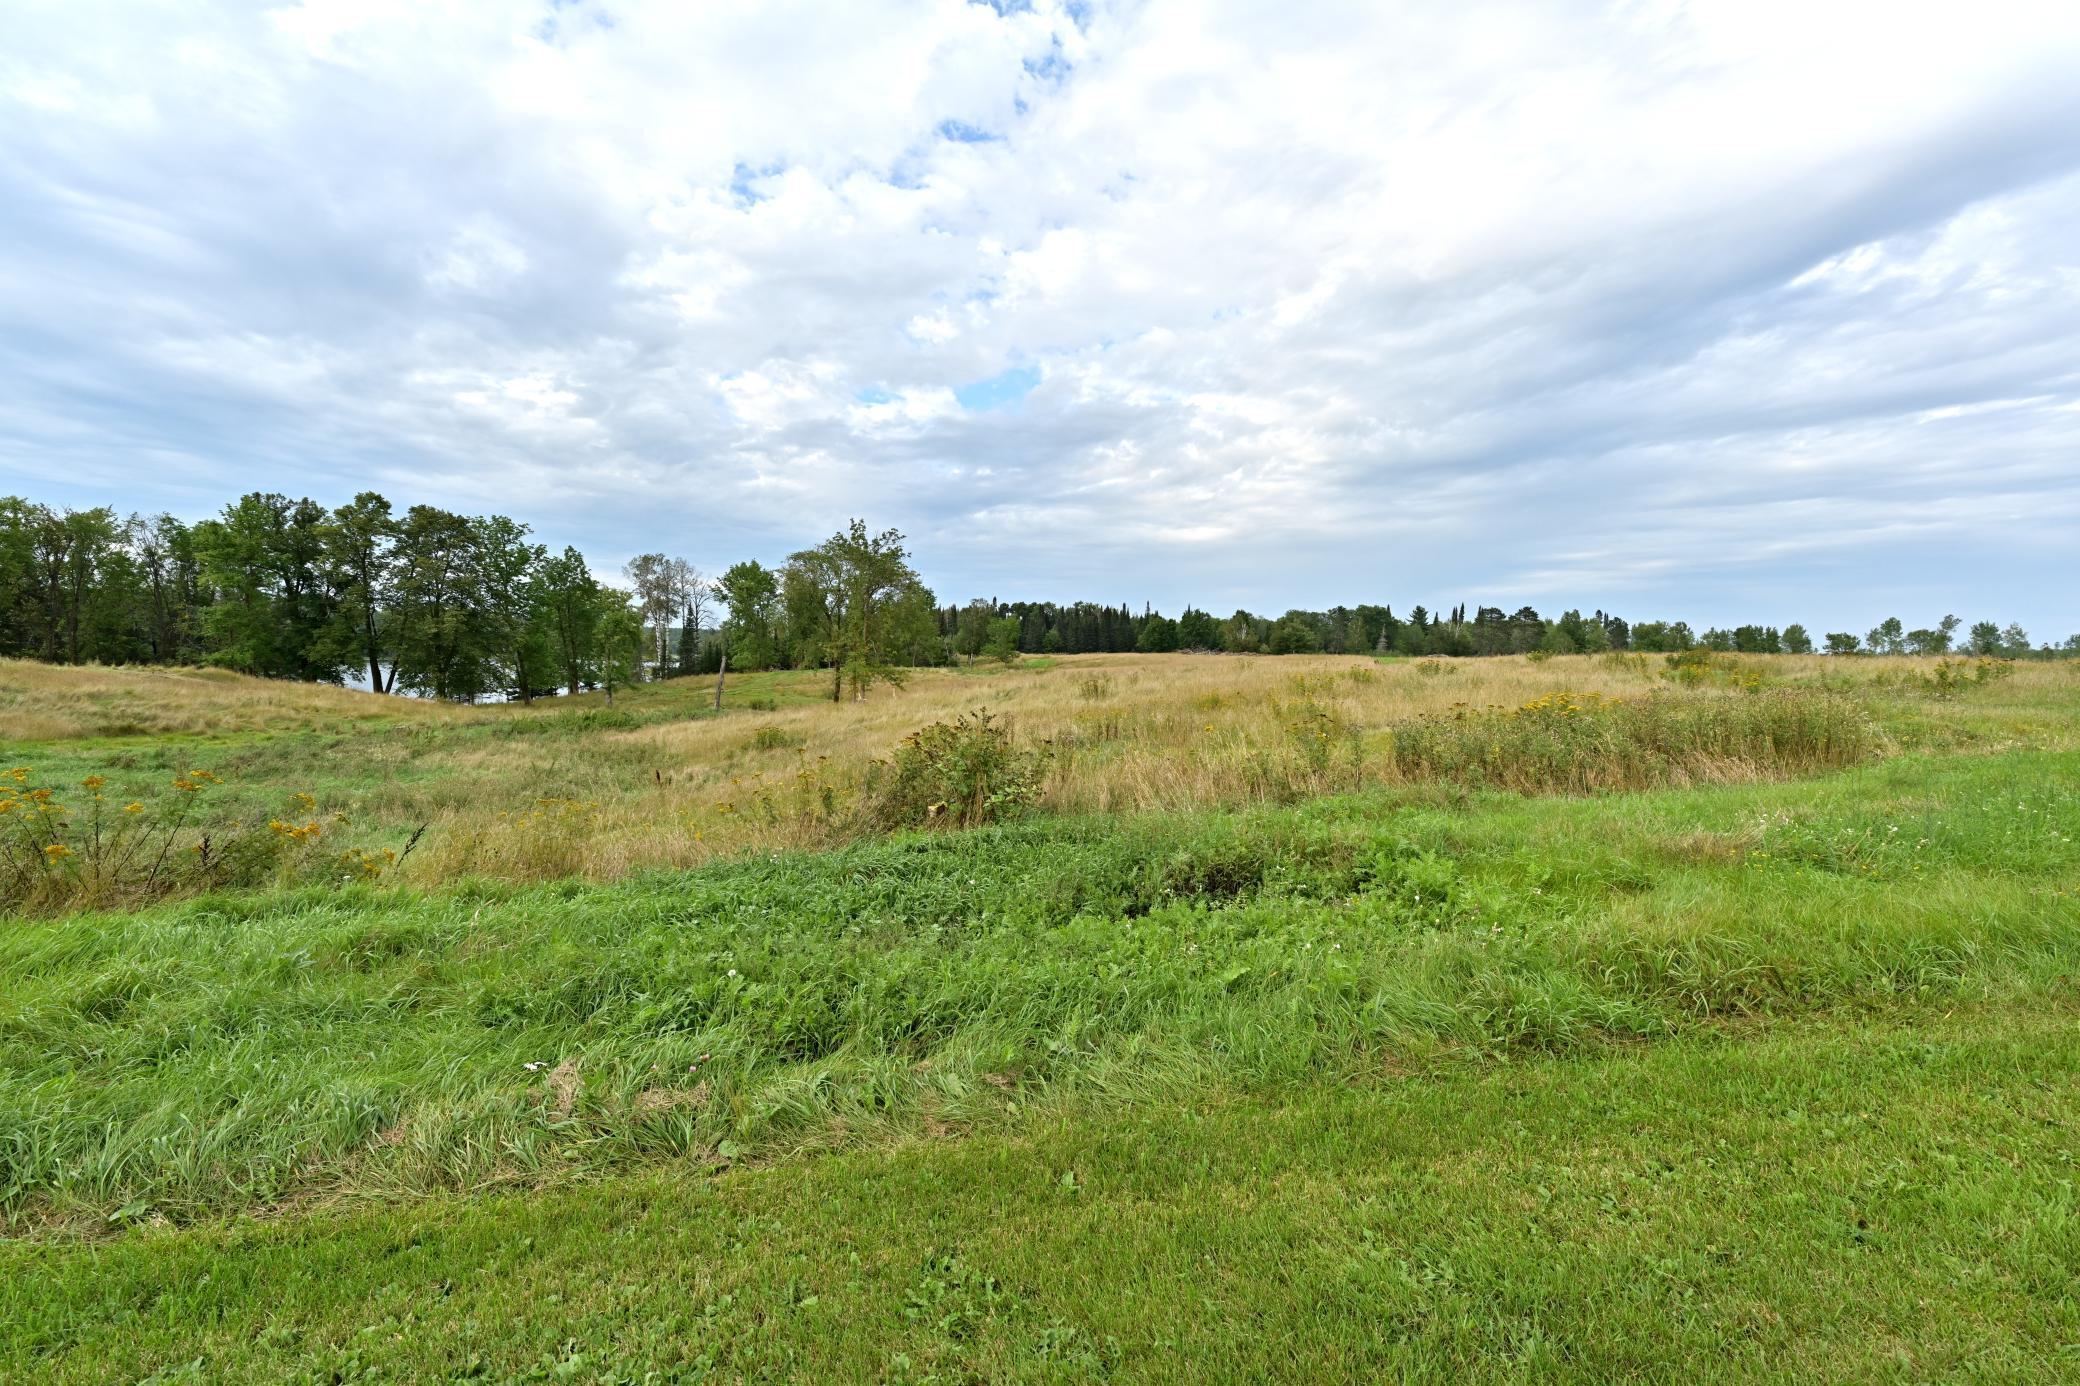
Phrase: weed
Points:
(81, 848)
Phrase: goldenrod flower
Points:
(92, 782)
(133, 808)
(57, 851)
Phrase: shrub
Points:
(960, 773)
(776, 739)
(1696, 667)
(1625, 662)
(1581, 743)
(1949, 677)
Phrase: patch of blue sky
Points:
(1053, 68)
(744, 181)
(999, 391)
(551, 30)
(963, 133)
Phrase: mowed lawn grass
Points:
(1842, 1198)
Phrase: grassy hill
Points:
(1305, 1018)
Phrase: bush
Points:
(960, 773)
(1569, 743)
(1949, 677)
(1697, 667)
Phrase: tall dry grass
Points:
(1123, 733)
(55, 702)
(572, 788)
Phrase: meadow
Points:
(1108, 1017)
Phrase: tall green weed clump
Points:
(1566, 743)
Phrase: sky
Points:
(1733, 310)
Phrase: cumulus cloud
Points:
(1730, 309)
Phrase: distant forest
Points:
(464, 607)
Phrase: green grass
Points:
(1845, 1199)
(1749, 1081)
(229, 1052)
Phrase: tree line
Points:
(464, 607)
(431, 602)
(1047, 628)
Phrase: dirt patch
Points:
(563, 1088)
(674, 1099)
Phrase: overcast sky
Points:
(1755, 310)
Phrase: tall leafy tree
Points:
(440, 633)
(359, 542)
(651, 580)
(1888, 637)
(619, 636)
(856, 604)
(263, 559)
(753, 630)
(972, 627)
(506, 570)
(567, 602)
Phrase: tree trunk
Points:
(720, 675)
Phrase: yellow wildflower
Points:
(57, 851)
(133, 808)
(92, 782)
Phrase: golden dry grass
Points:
(555, 790)
(1128, 733)
(52, 702)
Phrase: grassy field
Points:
(1315, 1019)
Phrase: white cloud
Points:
(1670, 306)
